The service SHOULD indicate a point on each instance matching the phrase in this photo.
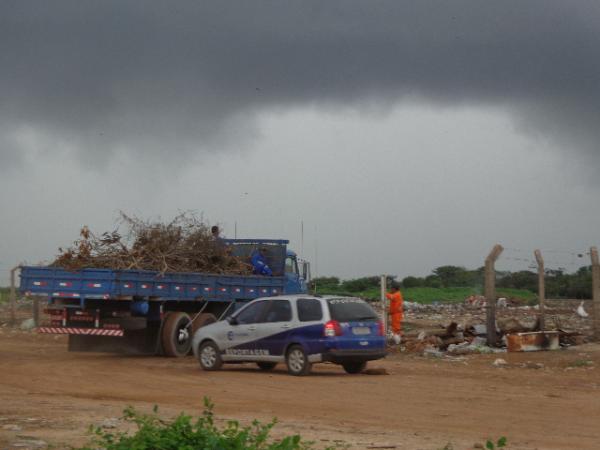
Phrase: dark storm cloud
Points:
(171, 78)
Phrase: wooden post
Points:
(13, 296)
(541, 289)
(36, 311)
(596, 291)
(490, 294)
(384, 303)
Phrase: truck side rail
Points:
(114, 284)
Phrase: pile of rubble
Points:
(459, 329)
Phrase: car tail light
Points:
(380, 328)
(332, 328)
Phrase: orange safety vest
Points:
(396, 301)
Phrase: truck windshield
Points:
(350, 310)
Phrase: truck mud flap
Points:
(133, 342)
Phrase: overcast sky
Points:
(404, 135)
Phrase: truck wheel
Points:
(201, 321)
(209, 356)
(266, 365)
(354, 367)
(176, 334)
(297, 361)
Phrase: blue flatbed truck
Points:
(146, 312)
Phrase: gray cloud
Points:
(182, 78)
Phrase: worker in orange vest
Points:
(396, 312)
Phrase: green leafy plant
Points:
(500, 443)
(185, 433)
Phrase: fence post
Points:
(383, 303)
(13, 296)
(36, 311)
(490, 294)
(596, 291)
(541, 289)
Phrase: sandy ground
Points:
(545, 400)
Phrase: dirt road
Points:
(538, 401)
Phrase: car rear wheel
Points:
(176, 336)
(209, 356)
(354, 367)
(266, 365)
(297, 361)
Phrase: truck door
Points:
(292, 276)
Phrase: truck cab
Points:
(283, 261)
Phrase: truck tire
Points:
(201, 321)
(297, 361)
(176, 334)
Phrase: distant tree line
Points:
(559, 284)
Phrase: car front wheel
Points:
(209, 356)
(297, 361)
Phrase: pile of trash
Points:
(185, 244)
(459, 329)
(453, 339)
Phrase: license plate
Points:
(361, 331)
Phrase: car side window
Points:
(309, 309)
(278, 311)
(251, 314)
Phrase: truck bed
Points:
(123, 284)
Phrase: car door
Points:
(240, 342)
(274, 330)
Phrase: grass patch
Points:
(185, 433)
(427, 295)
(4, 294)
(581, 363)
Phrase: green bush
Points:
(185, 433)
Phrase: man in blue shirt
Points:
(259, 262)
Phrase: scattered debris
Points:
(112, 422)
(460, 329)
(11, 427)
(29, 444)
(582, 312)
(499, 362)
(27, 324)
(532, 342)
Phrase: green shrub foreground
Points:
(186, 433)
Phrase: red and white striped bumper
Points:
(82, 331)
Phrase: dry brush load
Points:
(183, 245)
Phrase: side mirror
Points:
(306, 271)
(232, 320)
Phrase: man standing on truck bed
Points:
(259, 262)
(396, 312)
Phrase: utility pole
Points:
(13, 295)
(302, 238)
(383, 303)
(490, 294)
(596, 291)
(541, 289)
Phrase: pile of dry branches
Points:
(183, 245)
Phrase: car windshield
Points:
(350, 310)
